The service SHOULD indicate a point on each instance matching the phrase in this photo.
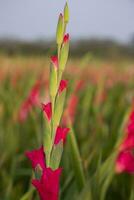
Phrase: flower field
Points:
(97, 161)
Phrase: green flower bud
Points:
(64, 53)
(60, 30)
(66, 13)
(53, 76)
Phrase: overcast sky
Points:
(33, 19)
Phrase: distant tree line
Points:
(99, 48)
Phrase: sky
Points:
(37, 19)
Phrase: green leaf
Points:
(56, 155)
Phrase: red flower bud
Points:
(54, 61)
(47, 108)
(62, 86)
(61, 134)
(66, 38)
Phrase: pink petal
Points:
(47, 108)
(54, 60)
(66, 38)
(61, 134)
(62, 86)
(24, 110)
(125, 162)
(37, 157)
(128, 142)
(48, 185)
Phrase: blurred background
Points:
(100, 95)
(28, 26)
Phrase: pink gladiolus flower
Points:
(48, 185)
(62, 86)
(34, 94)
(66, 38)
(125, 158)
(54, 60)
(130, 127)
(72, 105)
(37, 157)
(79, 85)
(31, 100)
(47, 108)
(132, 116)
(125, 162)
(61, 134)
(24, 110)
(128, 142)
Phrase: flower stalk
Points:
(45, 161)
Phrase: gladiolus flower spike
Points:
(45, 161)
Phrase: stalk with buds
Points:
(46, 160)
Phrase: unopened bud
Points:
(60, 30)
(66, 13)
(64, 53)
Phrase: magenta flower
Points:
(125, 162)
(62, 86)
(125, 158)
(54, 61)
(48, 185)
(47, 109)
(128, 142)
(66, 38)
(61, 134)
(132, 116)
(37, 157)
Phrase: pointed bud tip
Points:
(66, 38)
(54, 61)
(47, 108)
(61, 15)
(63, 85)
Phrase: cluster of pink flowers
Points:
(125, 158)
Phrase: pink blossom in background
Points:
(29, 102)
(72, 106)
(24, 110)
